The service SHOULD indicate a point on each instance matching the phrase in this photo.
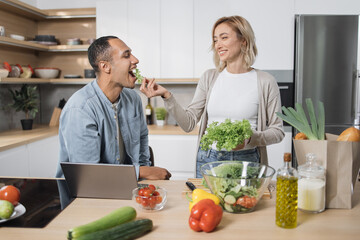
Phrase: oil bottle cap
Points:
(287, 157)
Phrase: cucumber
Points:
(119, 216)
(230, 199)
(129, 230)
(228, 207)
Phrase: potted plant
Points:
(26, 100)
(160, 116)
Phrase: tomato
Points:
(144, 202)
(152, 187)
(246, 201)
(158, 199)
(152, 202)
(10, 193)
(147, 192)
(138, 199)
(7, 66)
(156, 193)
(141, 192)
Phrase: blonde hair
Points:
(244, 31)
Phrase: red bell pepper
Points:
(205, 216)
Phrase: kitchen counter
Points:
(172, 221)
(18, 137)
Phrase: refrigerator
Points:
(326, 67)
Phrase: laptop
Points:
(100, 180)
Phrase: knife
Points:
(190, 185)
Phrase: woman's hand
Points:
(151, 89)
(241, 146)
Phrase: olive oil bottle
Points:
(286, 194)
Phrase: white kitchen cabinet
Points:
(36, 159)
(43, 157)
(272, 22)
(14, 162)
(177, 35)
(276, 152)
(176, 153)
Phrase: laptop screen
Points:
(100, 180)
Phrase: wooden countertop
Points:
(172, 221)
(18, 137)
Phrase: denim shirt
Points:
(88, 132)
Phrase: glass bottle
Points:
(286, 194)
(149, 113)
(311, 185)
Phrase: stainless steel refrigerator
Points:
(326, 67)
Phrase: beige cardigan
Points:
(269, 128)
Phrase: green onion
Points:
(297, 118)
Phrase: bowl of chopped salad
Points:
(238, 184)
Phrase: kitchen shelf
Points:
(6, 41)
(86, 80)
(26, 10)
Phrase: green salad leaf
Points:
(226, 135)
(138, 76)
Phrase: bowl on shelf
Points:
(4, 73)
(149, 200)
(47, 72)
(45, 38)
(238, 184)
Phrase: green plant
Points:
(25, 100)
(160, 113)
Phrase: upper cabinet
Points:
(172, 38)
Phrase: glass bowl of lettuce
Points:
(238, 184)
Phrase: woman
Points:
(233, 90)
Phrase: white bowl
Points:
(47, 72)
(3, 73)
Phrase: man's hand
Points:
(154, 173)
(151, 89)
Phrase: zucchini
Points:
(119, 216)
(129, 230)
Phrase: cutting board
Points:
(198, 184)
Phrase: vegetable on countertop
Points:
(227, 135)
(200, 194)
(118, 216)
(350, 134)
(205, 216)
(129, 230)
(298, 119)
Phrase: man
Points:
(104, 122)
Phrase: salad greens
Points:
(138, 76)
(227, 135)
(298, 119)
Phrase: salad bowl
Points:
(238, 184)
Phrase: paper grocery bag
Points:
(341, 161)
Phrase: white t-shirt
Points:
(234, 96)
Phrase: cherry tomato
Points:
(147, 192)
(156, 193)
(246, 201)
(10, 193)
(144, 202)
(138, 199)
(152, 187)
(152, 202)
(158, 199)
(141, 192)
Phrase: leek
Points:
(297, 118)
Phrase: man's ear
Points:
(105, 67)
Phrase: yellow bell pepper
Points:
(199, 194)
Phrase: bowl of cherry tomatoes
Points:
(149, 197)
